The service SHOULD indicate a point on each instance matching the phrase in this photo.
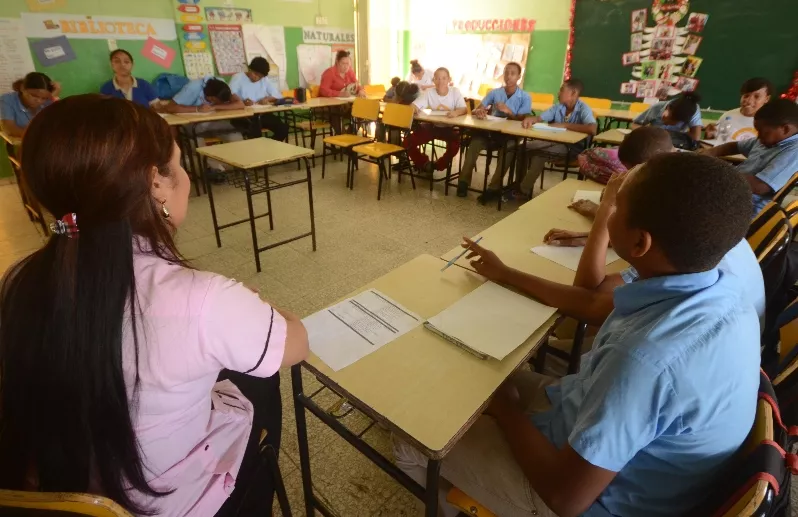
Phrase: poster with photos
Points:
(639, 20)
(665, 71)
(686, 84)
(691, 65)
(665, 31)
(629, 88)
(630, 58)
(663, 90)
(661, 49)
(648, 70)
(637, 42)
(646, 89)
(691, 44)
(697, 21)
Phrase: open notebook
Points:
(490, 321)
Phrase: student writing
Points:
(27, 98)
(254, 87)
(679, 114)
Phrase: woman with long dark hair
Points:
(111, 345)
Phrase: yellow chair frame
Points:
(364, 113)
(542, 97)
(770, 233)
(596, 103)
(638, 107)
(374, 90)
(76, 503)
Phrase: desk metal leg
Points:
(209, 190)
(255, 250)
(302, 438)
(310, 204)
(431, 494)
(268, 197)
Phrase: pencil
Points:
(458, 257)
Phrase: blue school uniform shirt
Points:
(142, 92)
(773, 165)
(582, 114)
(192, 93)
(653, 117)
(667, 394)
(11, 108)
(520, 103)
(247, 90)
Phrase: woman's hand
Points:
(485, 262)
(480, 113)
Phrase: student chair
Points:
(595, 103)
(465, 504)
(32, 206)
(374, 90)
(547, 98)
(638, 107)
(19, 503)
(769, 233)
(400, 118)
(788, 187)
(313, 90)
(484, 89)
(312, 127)
(364, 113)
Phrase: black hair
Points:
(120, 51)
(406, 93)
(217, 88)
(695, 207)
(341, 54)
(260, 65)
(778, 112)
(395, 81)
(756, 83)
(684, 107)
(34, 81)
(644, 143)
(575, 84)
(513, 63)
(415, 66)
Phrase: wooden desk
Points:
(195, 118)
(10, 140)
(512, 237)
(424, 389)
(514, 128)
(258, 154)
(611, 137)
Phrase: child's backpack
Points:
(167, 85)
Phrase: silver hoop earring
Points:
(164, 210)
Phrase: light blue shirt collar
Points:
(630, 298)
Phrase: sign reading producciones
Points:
(492, 25)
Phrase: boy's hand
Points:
(205, 108)
(480, 113)
(565, 238)
(451, 114)
(611, 190)
(503, 108)
(529, 122)
(485, 262)
(248, 102)
(584, 207)
(711, 131)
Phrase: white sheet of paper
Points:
(518, 53)
(492, 319)
(545, 127)
(624, 131)
(568, 256)
(434, 113)
(15, 56)
(354, 328)
(493, 117)
(589, 195)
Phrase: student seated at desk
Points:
(254, 87)
(572, 114)
(754, 94)
(420, 76)
(653, 417)
(439, 98)
(510, 102)
(771, 158)
(202, 96)
(158, 377)
(390, 95)
(124, 85)
(679, 114)
(30, 94)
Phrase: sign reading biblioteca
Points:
(50, 25)
(482, 26)
(328, 36)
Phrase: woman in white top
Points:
(112, 345)
(420, 76)
(444, 100)
(754, 94)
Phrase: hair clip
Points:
(67, 225)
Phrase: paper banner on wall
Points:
(198, 64)
(228, 15)
(313, 61)
(158, 53)
(52, 51)
(45, 5)
(328, 35)
(79, 26)
(15, 57)
(227, 42)
(268, 42)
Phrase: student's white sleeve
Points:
(459, 100)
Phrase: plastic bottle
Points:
(725, 129)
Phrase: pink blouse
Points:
(192, 430)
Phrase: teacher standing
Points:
(340, 81)
(124, 85)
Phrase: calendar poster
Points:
(227, 42)
(198, 64)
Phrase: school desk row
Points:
(615, 137)
(423, 389)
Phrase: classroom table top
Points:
(611, 137)
(175, 120)
(426, 387)
(13, 140)
(215, 115)
(513, 127)
(513, 237)
(466, 121)
(255, 152)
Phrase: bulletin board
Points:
(752, 39)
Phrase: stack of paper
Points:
(494, 118)
(569, 256)
(354, 328)
(545, 127)
(490, 321)
(588, 195)
(434, 113)
(624, 131)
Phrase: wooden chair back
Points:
(638, 107)
(398, 115)
(374, 89)
(65, 503)
(597, 103)
(769, 233)
(779, 196)
(366, 109)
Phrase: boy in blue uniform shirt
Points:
(680, 114)
(510, 102)
(772, 157)
(571, 113)
(254, 87)
(668, 393)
